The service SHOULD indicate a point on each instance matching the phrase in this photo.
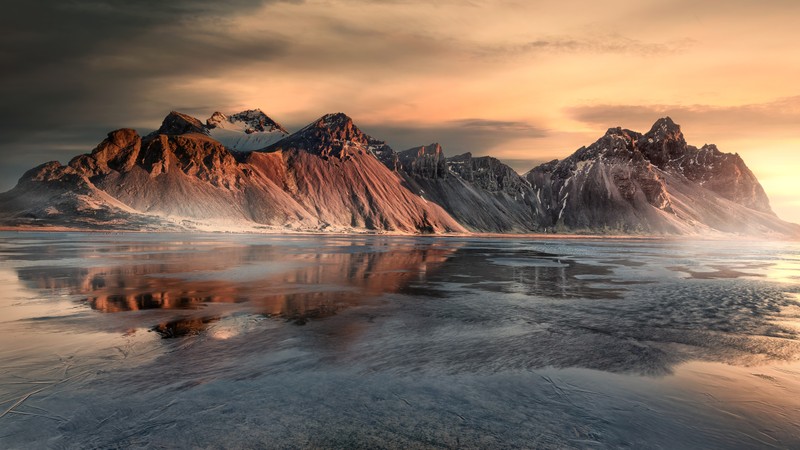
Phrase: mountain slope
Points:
(482, 193)
(330, 176)
(56, 195)
(180, 176)
(723, 173)
(191, 176)
(330, 166)
(628, 182)
(245, 131)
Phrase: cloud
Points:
(474, 135)
(765, 134)
(75, 69)
(499, 126)
(97, 60)
(777, 118)
(602, 44)
(115, 63)
(481, 137)
(514, 143)
(106, 64)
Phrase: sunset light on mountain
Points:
(397, 224)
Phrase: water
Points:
(167, 340)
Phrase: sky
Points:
(524, 81)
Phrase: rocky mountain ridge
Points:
(482, 193)
(652, 183)
(245, 172)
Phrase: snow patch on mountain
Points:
(245, 131)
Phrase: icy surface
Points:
(169, 340)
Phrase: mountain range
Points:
(246, 172)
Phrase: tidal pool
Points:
(220, 341)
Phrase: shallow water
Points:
(148, 340)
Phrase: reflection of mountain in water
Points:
(263, 279)
(467, 305)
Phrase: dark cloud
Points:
(57, 38)
(775, 119)
(44, 146)
(75, 69)
(118, 63)
(108, 63)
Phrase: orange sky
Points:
(525, 81)
(727, 71)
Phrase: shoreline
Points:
(539, 236)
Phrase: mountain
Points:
(628, 182)
(245, 172)
(482, 193)
(723, 173)
(180, 177)
(329, 165)
(244, 131)
(177, 175)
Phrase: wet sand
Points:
(148, 340)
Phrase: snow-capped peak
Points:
(246, 130)
(334, 120)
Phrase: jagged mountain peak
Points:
(245, 131)
(217, 119)
(665, 123)
(338, 127)
(331, 135)
(118, 151)
(624, 171)
(665, 130)
(179, 123)
(123, 136)
(433, 149)
(249, 121)
(482, 193)
(616, 144)
(258, 121)
(712, 148)
(334, 120)
(426, 160)
(489, 173)
(622, 133)
(335, 126)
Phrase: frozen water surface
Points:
(159, 340)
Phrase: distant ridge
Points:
(653, 183)
(246, 172)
